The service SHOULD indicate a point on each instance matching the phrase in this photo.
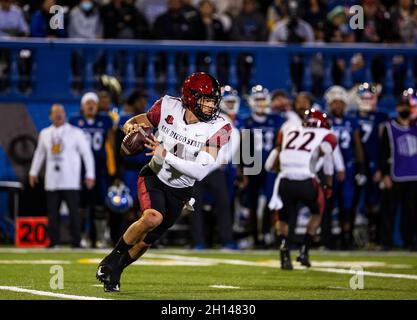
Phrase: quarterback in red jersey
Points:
(190, 133)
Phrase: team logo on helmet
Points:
(118, 198)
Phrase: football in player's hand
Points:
(134, 142)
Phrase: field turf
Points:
(171, 274)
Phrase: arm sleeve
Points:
(87, 156)
(197, 169)
(328, 164)
(154, 113)
(221, 137)
(269, 163)
(329, 143)
(338, 160)
(385, 153)
(39, 156)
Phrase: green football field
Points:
(184, 274)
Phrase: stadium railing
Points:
(52, 65)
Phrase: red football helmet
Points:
(316, 119)
(197, 85)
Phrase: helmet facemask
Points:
(230, 102)
(260, 100)
(207, 108)
(367, 97)
(198, 89)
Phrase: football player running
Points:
(190, 135)
(299, 147)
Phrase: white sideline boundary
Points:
(49, 294)
(368, 273)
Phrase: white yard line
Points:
(190, 260)
(222, 286)
(231, 252)
(368, 273)
(275, 265)
(49, 294)
(35, 262)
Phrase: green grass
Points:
(152, 282)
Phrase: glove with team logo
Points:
(360, 177)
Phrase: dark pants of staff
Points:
(72, 199)
(402, 196)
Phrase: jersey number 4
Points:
(299, 144)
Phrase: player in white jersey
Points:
(299, 147)
(190, 134)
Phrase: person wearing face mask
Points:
(85, 21)
(399, 175)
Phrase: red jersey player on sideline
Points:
(190, 135)
(299, 147)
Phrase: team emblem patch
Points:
(169, 119)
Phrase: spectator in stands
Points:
(276, 11)
(226, 10)
(249, 25)
(172, 25)
(122, 20)
(399, 170)
(62, 146)
(193, 17)
(402, 17)
(213, 27)
(228, 7)
(12, 21)
(85, 21)
(315, 12)
(337, 27)
(13, 24)
(410, 28)
(151, 9)
(378, 25)
(292, 29)
(40, 25)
